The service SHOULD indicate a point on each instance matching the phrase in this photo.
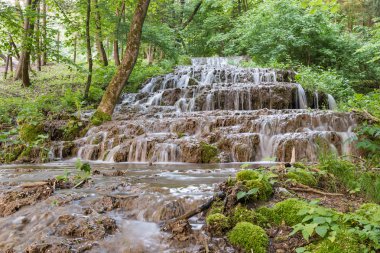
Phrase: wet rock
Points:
(84, 227)
(12, 201)
(48, 248)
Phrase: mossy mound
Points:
(345, 242)
(303, 177)
(209, 153)
(284, 211)
(246, 175)
(242, 214)
(264, 192)
(217, 223)
(249, 237)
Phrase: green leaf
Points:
(241, 195)
(321, 230)
(300, 250)
(253, 191)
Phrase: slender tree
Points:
(115, 87)
(24, 63)
(89, 53)
(119, 14)
(98, 35)
(44, 34)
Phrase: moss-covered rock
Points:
(264, 192)
(209, 153)
(241, 214)
(245, 175)
(217, 224)
(99, 117)
(303, 177)
(345, 242)
(287, 211)
(249, 237)
(72, 129)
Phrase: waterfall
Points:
(249, 114)
(302, 101)
(332, 102)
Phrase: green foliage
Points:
(209, 153)
(345, 242)
(259, 189)
(327, 81)
(64, 177)
(217, 223)
(249, 237)
(85, 167)
(143, 71)
(352, 177)
(30, 133)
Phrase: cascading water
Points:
(248, 114)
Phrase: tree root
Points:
(305, 188)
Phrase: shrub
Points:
(249, 237)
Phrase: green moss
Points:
(180, 135)
(29, 133)
(99, 117)
(217, 207)
(345, 242)
(246, 175)
(217, 223)
(249, 237)
(299, 165)
(268, 214)
(303, 177)
(241, 214)
(265, 188)
(287, 211)
(209, 153)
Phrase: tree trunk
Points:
(115, 87)
(6, 67)
(88, 45)
(119, 14)
(75, 49)
(24, 64)
(14, 46)
(150, 54)
(44, 34)
(58, 45)
(98, 35)
(38, 39)
(196, 9)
